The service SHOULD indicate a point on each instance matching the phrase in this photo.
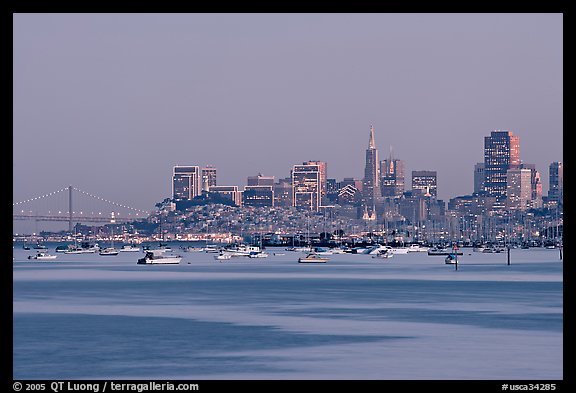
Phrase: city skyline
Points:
(128, 97)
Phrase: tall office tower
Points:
(208, 177)
(260, 180)
(371, 182)
(426, 182)
(306, 186)
(392, 177)
(518, 189)
(185, 182)
(283, 192)
(331, 191)
(501, 153)
(479, 177)
(322, 167)
(535, 185)
(556, 182)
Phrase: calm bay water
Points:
(410, 317)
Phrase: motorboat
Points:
(242, 250)
(223, 256)
(258, 254)
(129, 248)
(385, 253)
(108, 251)
(159, 257)
(436, 250)
(313, 258)
(415, 247)
(42, 256)
(400, 250)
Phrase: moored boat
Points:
(159, 257)
(42, 256)
(313, 258)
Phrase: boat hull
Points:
(161, 261)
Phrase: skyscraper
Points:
(501, 153)
(185, 182)
(306, 186)
(371, 182)
(322, 168)
(479, 177)
(518, 188)
(426, 182)
(392, 177)
(556, 182)
(208, 177)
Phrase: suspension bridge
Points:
(74, 206)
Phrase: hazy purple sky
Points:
(110, 103)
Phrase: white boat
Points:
(242, 250)
(108, 251)
(321, 251)
(223, 256)
(383, 254)
(443, 251)
(416, 248)
(313, 258)
(258, 254)
(159, 257)
(129, 248)
(374, 250)
(400, 250)
(42, 256)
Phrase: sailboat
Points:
(110, 250)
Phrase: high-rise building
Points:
(392, 181)
(535, 185)
(283, 192)
(185, 182)
(518, 189)
(306, 186)
(258, 195)
(371, 181)
(501, 153)
(426, 182)
(208, 177)
(479, 177)
(322, 168)
(260, 180)
(556, 182)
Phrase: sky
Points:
(109, 103)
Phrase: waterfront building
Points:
(229, 192)
(371, 181)
(208, 177)
(185, 182)
(426, 182)
(392, 177)
(258, 196)
(306, 186)
(501, 153)
(556, 183)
